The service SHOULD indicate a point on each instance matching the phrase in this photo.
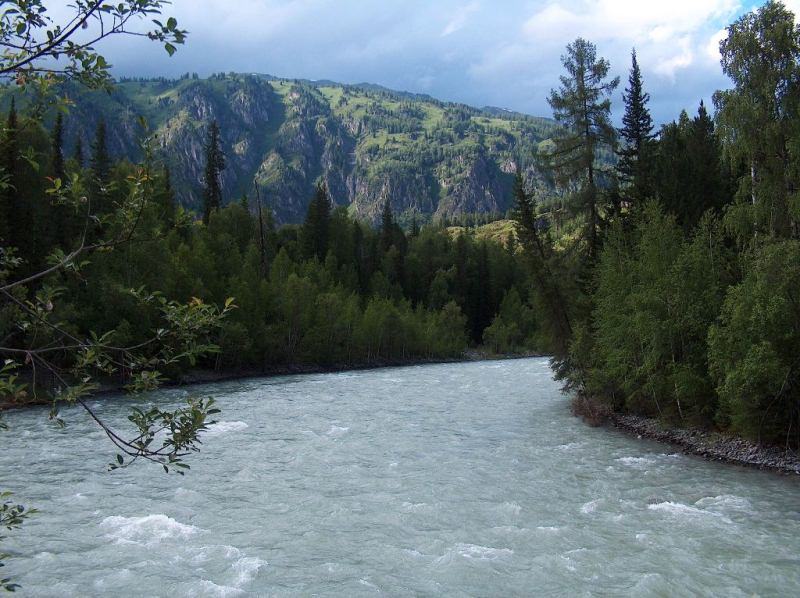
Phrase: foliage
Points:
(635, 155)
(759, 120)
(754, 349)
(37, 46)
(583, 106)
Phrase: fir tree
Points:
(414, 226)
(583, 106)
(9, 208)
(78, 152)
(165, 197)
(387, 226)
(315, 232)
(637, 135)
(57, 149)
(100, 165)
(215, 164)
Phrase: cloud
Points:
(460, 18)
(482, 53)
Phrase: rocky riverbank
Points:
(711, 445)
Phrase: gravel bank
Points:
(710, 445)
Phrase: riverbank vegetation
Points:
(687, 306)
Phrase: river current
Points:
(467, 479)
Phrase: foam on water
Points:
(246, 569)
(336, 431)
(220, 428)
(683, 511)
(147, 530)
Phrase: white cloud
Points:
(503, 53)
(458, 20)
(671, 35)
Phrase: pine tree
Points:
(9, 208)
(688, 173)
(387, 226)
(315, 232)
(57, 149)
(100, 165)
(165, 197)
(215, 164)
(582, 105)
(538, 255)
(78, 153)
(637, 134)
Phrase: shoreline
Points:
(203, 377)
(711, 446)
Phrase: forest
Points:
(661, 271)
(686, 305)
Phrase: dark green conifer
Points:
(57, 149)
(387, 226)
(637, 135)
(215, 164)
(315, 232)
(9, 208)
(78, 153)
(100, 165)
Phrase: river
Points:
(467, 479)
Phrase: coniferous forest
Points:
(660, 267)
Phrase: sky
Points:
(503, 53)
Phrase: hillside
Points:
(369, 144)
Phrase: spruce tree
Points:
(538, 254)
(78, 153)
(165, 197)
(215, 164)
(100, 165)
(583, 107)
(315, 232)
(637, 135)
(387, 226)
(57, 149)
(9, 208)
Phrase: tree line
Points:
(676, 293)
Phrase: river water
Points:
(462, 480)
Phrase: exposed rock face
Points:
(366, 144)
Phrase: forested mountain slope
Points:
(368, 144)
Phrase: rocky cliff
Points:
(369, 145)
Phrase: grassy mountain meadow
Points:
(368, 144)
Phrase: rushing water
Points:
(463, 480)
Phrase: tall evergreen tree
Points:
(315, 232)
(215, 164)
(165, 197)
(100, 165)
(9, 208)
(78, 152)
(57, 148)
(387, 226)
(688, 173)
(637, 134)
(538, 255)
(583, 106)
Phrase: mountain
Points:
(367, 143)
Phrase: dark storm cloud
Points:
(483, 52)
